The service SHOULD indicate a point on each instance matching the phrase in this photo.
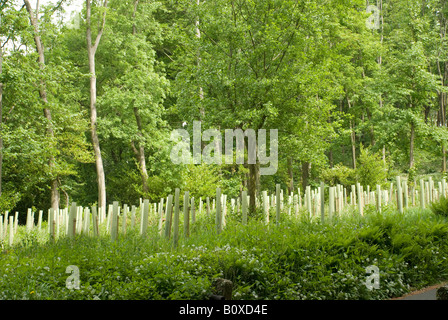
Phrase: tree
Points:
(33, 16)
(91, 51)
(411, 86)
(2, 6)
(250, 56)
(134, 87)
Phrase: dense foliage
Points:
(297, 259)
(351, 104)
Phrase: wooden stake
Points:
(109, 215)
(413, 194)
(281, 199)
(114, 218)
(176, 217)
(224, 209)
(39, 220)
(290, 203)
(244, 207)
(378, 201)
(399, 195)
(345, 197)
(28, 220)
(360, 206)
(168, 216)
(72, 221)
(160, 213)
(405, 194)
(208, 205)
(265, 200)
(11, 231)
(277, 204)
(444, 187)
(218, 211)
(193, 211)
(133, 210)
(86, 223)
(16, 221)
(95, 222)
(391, 191)
(186, 214)
(1, 228)
(431, 190)
(125, 218)
(296, 205)
(144, 219)
(322, 202)
(308, 200)
(331, 202)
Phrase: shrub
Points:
(440, 207)
(371, 169)
(339, 174)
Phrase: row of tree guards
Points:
(78, 220)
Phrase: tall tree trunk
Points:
(139, 150)
(380, 63)
(371, 129)
(198, 35)
(443, 158)
(134, 26)
(140, 154)
(43, 95)
(254, 177)
(352, 137)
(1, 115)
(91, 51)
(443, 74)
(442, 101)
(411, 146)
(330, 157)
(305, 174)
(353, 141)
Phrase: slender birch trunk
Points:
(91, 50)
(43, 95)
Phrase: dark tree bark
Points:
(305, 174)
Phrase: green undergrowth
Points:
(296, 259)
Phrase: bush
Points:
(440, 207)
(371, 169)
(339, 174)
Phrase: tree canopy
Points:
(338, 90)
